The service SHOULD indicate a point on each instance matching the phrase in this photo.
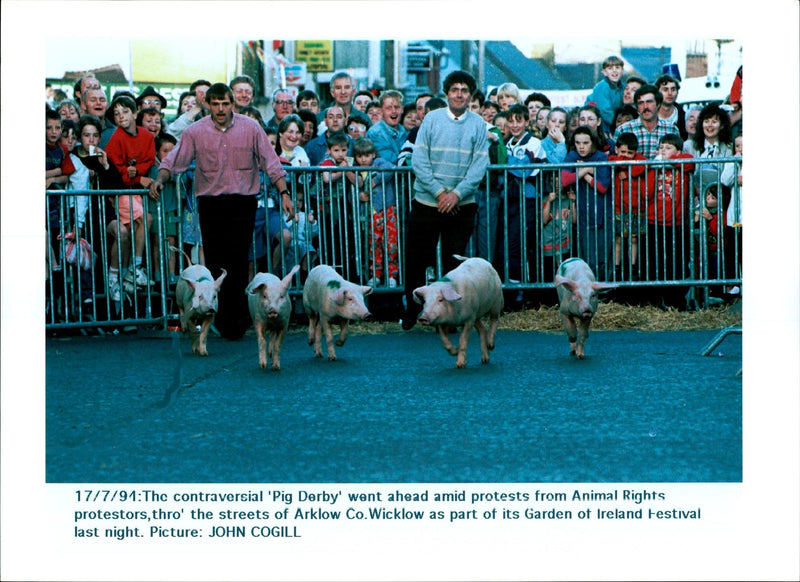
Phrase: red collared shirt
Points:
(226, 161)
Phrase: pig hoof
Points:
(331, 358)
(275, 367)
(485, 360)
(461, 365)
(262, 365)
(452, 351)
(339, 343)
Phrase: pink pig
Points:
(328, 298)
(270, 308)
(577, 295)
(196, 296)
(462, 297)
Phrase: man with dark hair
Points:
(670, 109)
(451, 154)
(648, 128)
(229, 149)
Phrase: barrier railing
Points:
(659, 230)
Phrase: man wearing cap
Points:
(228, 149)
(150, 99)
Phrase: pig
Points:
(462, 297)
(196, 295)
(577, 296)
(270, 308)
(328, 298)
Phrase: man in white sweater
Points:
(449, 161)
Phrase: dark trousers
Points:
(226, 223)
(426, 225)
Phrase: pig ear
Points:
(258, 290)
(338, 297)
(602, 286)
(366, 290)
(568, 283)
(450, 294)
(287, 280)
(218, 282)
(419, 295)
(191, 282)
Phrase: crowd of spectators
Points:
(528, 221)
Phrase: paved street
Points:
(393, 408)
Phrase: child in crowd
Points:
(336, 210)
(507, 95)
(667, 217)
(132, 151)
(58, 168)
(714, 231)
(622, 115)
(629, 197)
(377, 189)
(304, 229)
(168, 202)
(338, 144)
(554, 142)
(410, 119)
(489, 110)
(607, 94)
(539, 129)
(535, 102)
(558, 219)
(150, 119)
(522, 149)
(594, 201)
(500, 121)
(375, 112)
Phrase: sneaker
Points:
(137, 277)
(114, 291)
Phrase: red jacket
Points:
(671, 190)
(629, 184)
(122, 148)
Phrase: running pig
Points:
(196, 295)
(270, 308)
(577, 296)
(462, 297)
(327, 299)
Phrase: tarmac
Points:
(642, 407)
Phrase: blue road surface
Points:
(642, 407)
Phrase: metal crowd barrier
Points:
(339, 228)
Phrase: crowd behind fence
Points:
(677, 227)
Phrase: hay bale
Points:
(610, 316)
